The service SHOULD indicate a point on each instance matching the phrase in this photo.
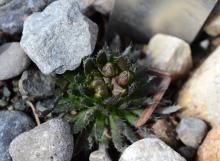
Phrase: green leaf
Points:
(89, 65)
(101, 59)
(82, 120)
(99, 125)
(117, 138)
(127, 131)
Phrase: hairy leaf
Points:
(99, 125)
(117, 137)
(82, 120)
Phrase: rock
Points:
(13, 60)
(188, 153)
(150, 149)
(20, 105)
(59, 37)
(12, 124)
(191, 131)
(200, 95)
(169, 54)
(210, 148)
(38, 5)
(44, 107)
(164, 130)
(99, 155)
(213, 26)
(34, 83)
(14, 12)
(51, 141)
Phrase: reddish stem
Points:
(156, 99)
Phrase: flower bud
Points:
(119, 91)
(97, 82)
(125, 78)
(101, 91)
(109, 70)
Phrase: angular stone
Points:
(169, 54)
(51, 141)
(191, 131)
(34, 83)
(12, 123)
(200, 95)
(210, 148)
(150, 149)
(13, 60)
(59, 37)
(213, 26)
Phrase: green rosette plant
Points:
(107, 96)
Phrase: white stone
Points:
(170, 54)
(200, 96)
(99, 155)
(150, 149)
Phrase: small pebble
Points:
(170, 54)
(191, 131)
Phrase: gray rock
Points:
(11, 125)
(44, 107)
(150, 149)
(191, 131)
(59, 37)
(38, 5)
(34, 83)
(13, 60)
(14, 12)
(51, 141)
